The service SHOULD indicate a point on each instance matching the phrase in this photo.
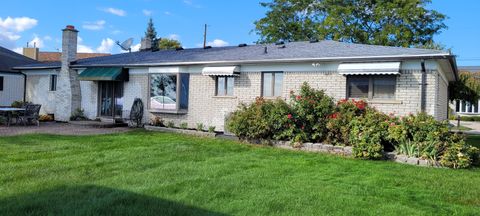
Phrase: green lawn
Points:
(474, 140)
(146, 173)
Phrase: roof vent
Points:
(242, 45)
(179, 48)
(207, 47)
(314, 41)
(280, 43)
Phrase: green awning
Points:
(104, 74)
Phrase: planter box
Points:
(179, 130)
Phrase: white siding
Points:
(12, 88)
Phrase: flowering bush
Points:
(263, 119)
(368, 134)
(338, 123)
(311, 107)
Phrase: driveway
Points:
(60, 129)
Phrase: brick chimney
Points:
(68, 94)
(146, 44)
(31, 52)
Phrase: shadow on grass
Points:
(93, 200)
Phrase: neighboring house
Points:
(464, 107)
(204, 85)
(36, 54)
(11, 81)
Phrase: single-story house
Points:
(465, 108)
(204, 85)
(11, 81)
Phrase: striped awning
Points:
(221, 71)
(104, 74)
(372, 68)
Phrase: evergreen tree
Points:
(151, 32)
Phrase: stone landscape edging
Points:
(346, 151)
(179, 130)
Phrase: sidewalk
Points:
(475, 126)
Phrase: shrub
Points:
(184, 125)
(338, 125)
(459, 155)
(262, 119)
(200, 126)
(211, 129)
(170, 124)
(311, 107)
(368, 134)
(19, 104)
(419, 128)
(78, 115)
(45, 118)
(157, 121)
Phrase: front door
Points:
(111, 99)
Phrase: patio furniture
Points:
(32, 112)
(8, 111)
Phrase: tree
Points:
(165, 44)
(403, 23)
(151, 32)
(467, 88)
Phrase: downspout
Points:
(24, 87)
(423, 92)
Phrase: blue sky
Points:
(102, 22)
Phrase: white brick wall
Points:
(38, 92)
(205, 108)
(89, 98)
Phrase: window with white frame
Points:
(272, 84)
(224, 85)
(371, 87)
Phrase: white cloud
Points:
(36, 41)
(17, 24)
(106, 46)
(191, 4)
(18, 50)
(217, 43)
(147, 12)
(10, 29)
(114, 11)
(116, 32)
(97, 25)
(174, 37)
(48, 38)
(168, 13)
(81, 48)
(9, 36)
(84, 49)
(135, 48)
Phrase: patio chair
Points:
(32, 113)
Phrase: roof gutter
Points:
(359, 58)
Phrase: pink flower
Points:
(289, 116)
(299, 97)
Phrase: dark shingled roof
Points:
(10, 59)
(294, 51)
